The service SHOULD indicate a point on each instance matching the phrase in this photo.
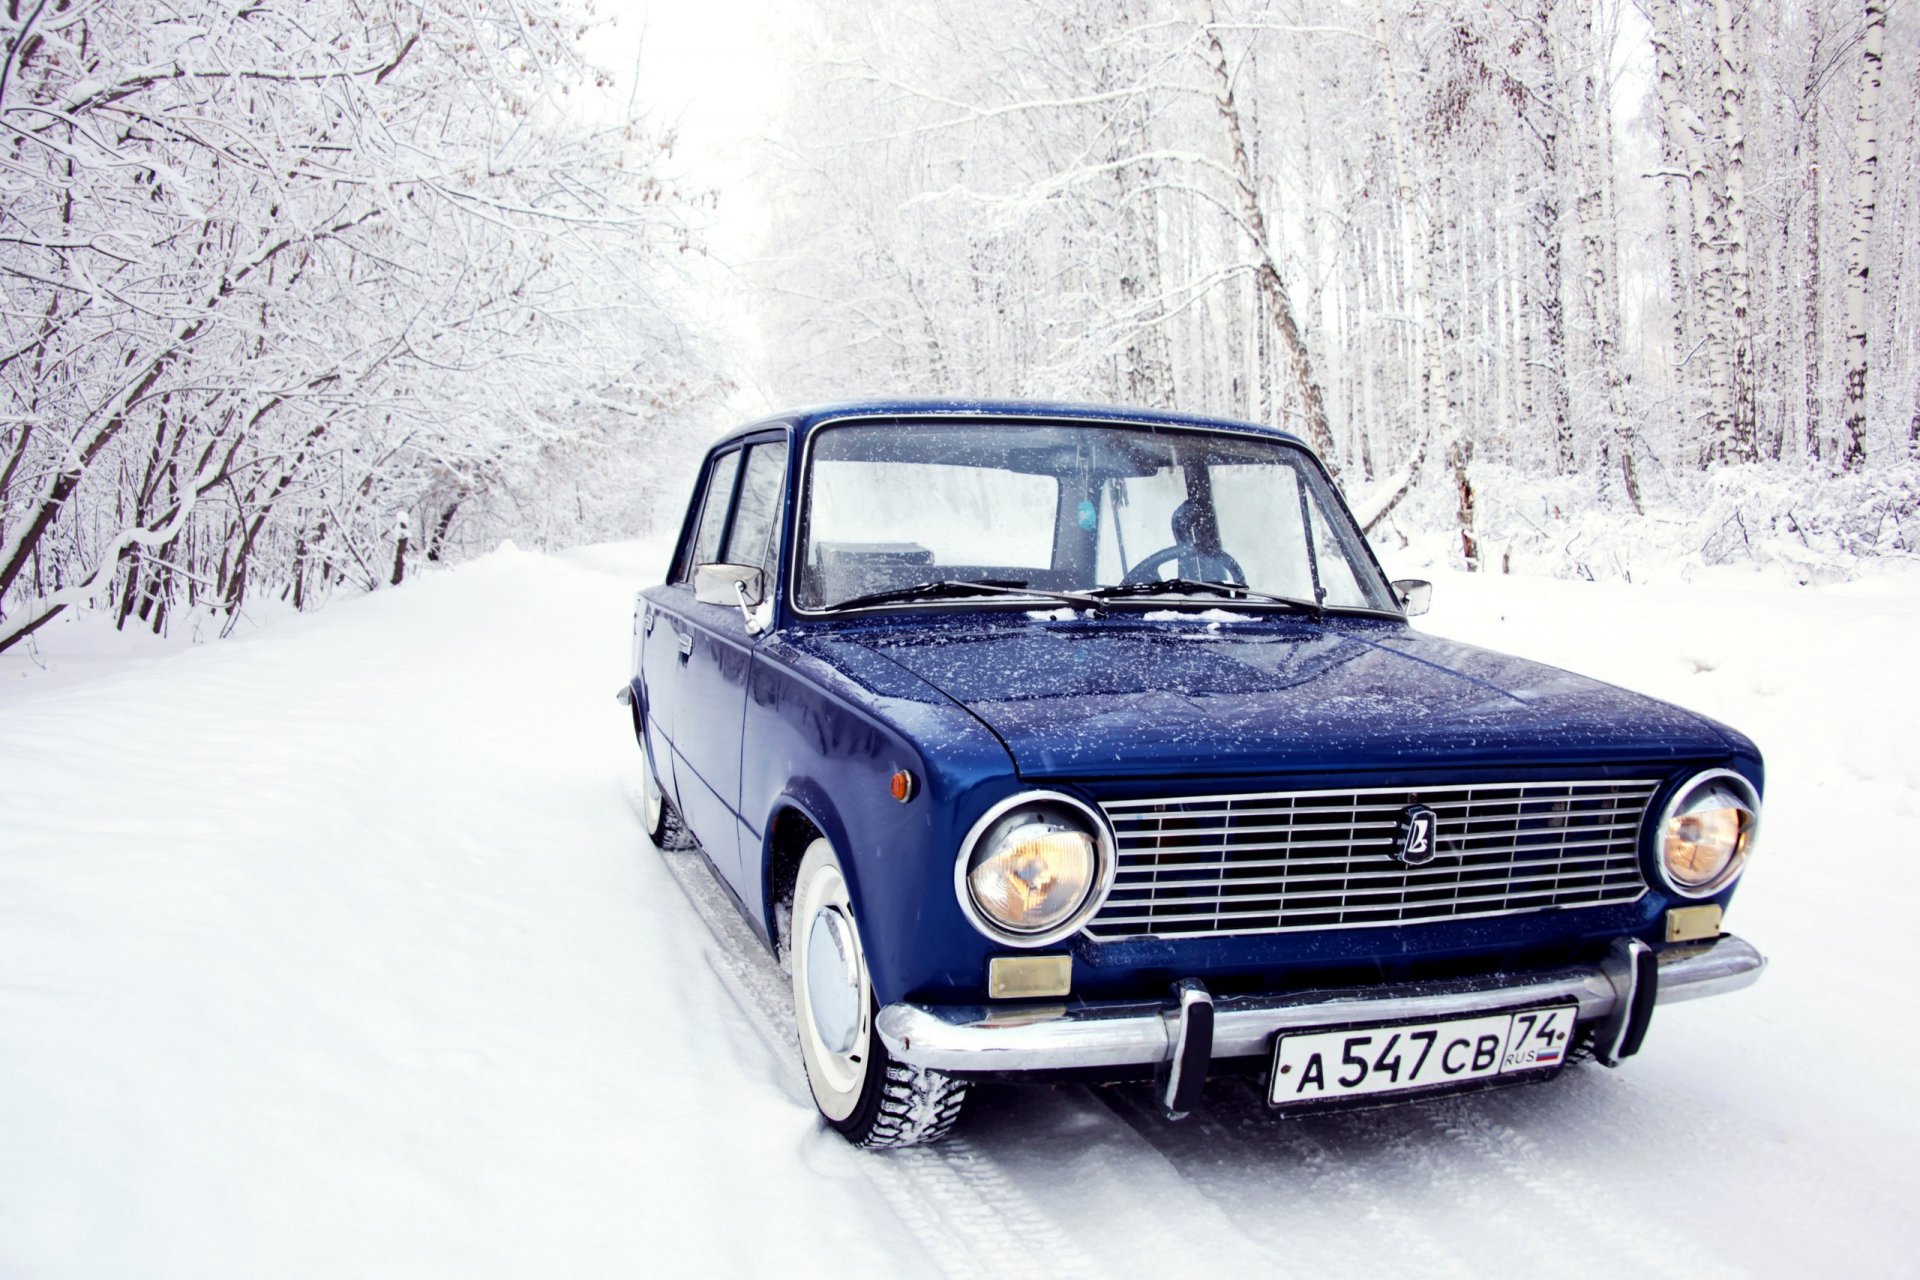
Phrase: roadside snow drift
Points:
(337, 950)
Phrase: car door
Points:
(666, 633)
(718, 654)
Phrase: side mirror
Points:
(744, 585)
(1416, 595)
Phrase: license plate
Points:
(1319, 1066)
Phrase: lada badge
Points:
(1413, 839)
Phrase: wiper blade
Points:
(955, 588)
(941, 589)
(1195, 586)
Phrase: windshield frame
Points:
(802, 499)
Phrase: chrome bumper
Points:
(1042, 1038)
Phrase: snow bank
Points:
(1808, 526)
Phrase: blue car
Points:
(1042, 739)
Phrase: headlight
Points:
(1707, 833)
(1034, 868)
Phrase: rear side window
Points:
(756, 518)
(713, 512)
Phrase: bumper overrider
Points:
(1181, 1034)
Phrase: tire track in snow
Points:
(1523, 1247)
(976, 1202)
(1231, 1141)
(1375, 1166)
(1574, 1198)
(952, 1199)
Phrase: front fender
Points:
(827, 745)
(809, 798)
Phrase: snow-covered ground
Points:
(335, 949)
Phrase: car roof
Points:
(804, 421)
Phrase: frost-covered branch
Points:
(364, 259)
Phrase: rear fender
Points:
(654, 750)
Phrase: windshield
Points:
(1057, 507)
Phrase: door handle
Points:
(686, 647)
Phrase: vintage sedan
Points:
(1043, 739)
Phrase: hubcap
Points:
(832, 997)
(833, 980)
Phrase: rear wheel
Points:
(662, 824)
(864, 1093)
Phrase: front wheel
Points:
(872, 1099)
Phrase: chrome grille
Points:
(1270, 863)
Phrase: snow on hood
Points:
(1113, 697)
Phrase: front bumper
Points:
(978, 1038)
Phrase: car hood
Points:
(1114, 697)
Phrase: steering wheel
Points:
(1219, 567)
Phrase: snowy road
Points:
(336, 950)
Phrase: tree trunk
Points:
(1439, 327)
(1866, 172)
(60, 487)
(400, 531)
(1739, 439)
(437, 541)
(1600, 245)
(1433, 369)
(1267, 270)
(1457, 457)
(1705, 200)
(1675, 172)
(1810, 109)
(1550, 386)
(1913, 427)
(129, 589)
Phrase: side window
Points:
(756, 519)
(713, 512)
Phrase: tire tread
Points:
(917, 1106)
(673, 835)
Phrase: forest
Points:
(296, 297)
(1585, 285)
(295, 292)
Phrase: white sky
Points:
(710, 70)
(706, 69)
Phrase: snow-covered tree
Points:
(277, 276)
(1567, 259)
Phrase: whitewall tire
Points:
(871, 1099)
(662, 824)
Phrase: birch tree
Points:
(1811, 310)
(1734, 425)
(1426, 236)
(1589, 59)
(1253, 221)
(1866, 172)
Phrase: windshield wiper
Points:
(1192, 586)
(955, 588)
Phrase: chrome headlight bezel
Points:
(1683, 797)
(1094, 824)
